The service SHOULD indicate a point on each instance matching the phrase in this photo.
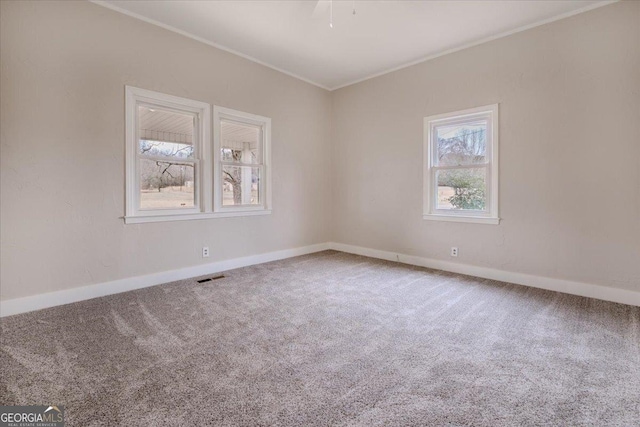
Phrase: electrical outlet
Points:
(454, 251)
(205, 252)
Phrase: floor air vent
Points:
(208, 279)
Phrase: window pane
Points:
(165, 133)
(166, 149)
(166, 185)
(462, 189)
(461, 144)
(241, 185)
(240, 142)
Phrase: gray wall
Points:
(569, 95)
(64, 67)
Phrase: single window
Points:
(241, 152)
(461, 166)
(166, 163)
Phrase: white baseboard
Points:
(67, 296)
(52, 299)
(605, 293)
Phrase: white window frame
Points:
(430, 191)
(264, 123)
(202, 174)
(207, 174)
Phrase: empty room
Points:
(319, 213)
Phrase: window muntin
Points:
(461, 165)
(241, 149)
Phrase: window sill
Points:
(461, 218)
(138, 219)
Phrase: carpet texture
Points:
(329, 339)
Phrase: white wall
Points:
(569, 95)
(64, 66)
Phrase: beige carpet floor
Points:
(329, 339)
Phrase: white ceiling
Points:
(294, 36)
